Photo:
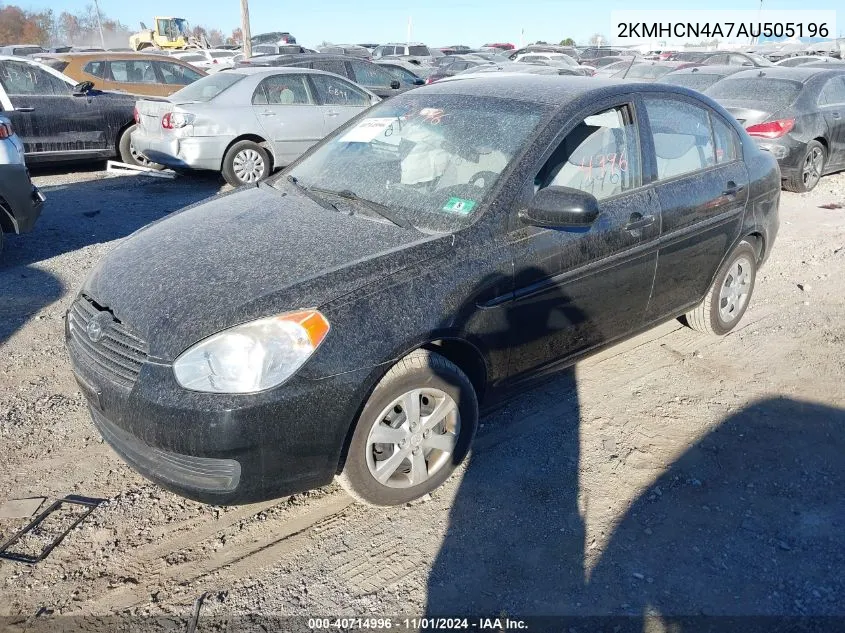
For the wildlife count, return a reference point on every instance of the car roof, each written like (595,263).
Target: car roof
(108,55)
(797,73)
(554,90)
(275,70)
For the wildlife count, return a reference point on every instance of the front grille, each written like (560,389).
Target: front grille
(118,354)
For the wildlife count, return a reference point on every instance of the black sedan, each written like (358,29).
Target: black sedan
(447,244)
(59,120)
(797,114)
(364,73)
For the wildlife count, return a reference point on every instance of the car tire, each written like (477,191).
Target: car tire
(245,163)
(436,385)
(729,295)
(128,154)
(815,155)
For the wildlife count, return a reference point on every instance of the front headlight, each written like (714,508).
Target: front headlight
(252,356)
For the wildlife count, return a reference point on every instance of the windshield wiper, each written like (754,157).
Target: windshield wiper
(379,209)
(308,192)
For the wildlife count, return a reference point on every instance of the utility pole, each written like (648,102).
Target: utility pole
(245,28)
(100,24)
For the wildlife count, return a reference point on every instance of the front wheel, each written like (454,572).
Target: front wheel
(728,296)
(246,163)
(415,429)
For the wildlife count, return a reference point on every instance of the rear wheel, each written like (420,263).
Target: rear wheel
(728,296)
(812,168)
(415,429)
(130,155)
(246,163)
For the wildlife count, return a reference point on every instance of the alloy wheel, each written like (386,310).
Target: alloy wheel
(813,165)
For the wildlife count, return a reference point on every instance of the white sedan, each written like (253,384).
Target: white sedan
(210,60)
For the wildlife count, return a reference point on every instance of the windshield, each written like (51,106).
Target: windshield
(206,88)
(777,93)
(432,159)
(694,81)
(690,57)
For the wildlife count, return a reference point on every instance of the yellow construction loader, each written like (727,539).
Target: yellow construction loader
(167,34)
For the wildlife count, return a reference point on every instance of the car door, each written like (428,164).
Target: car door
(702,187)
(339,100)
(49,118)
(289,115)
(832,106)
(373,78)
(575,289)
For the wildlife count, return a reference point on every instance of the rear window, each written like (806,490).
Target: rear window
(191,58)
(693,81)
(27,50)
(646,72)
(207,88)
(418,50)
(222,54)
(775,92)
(55,64)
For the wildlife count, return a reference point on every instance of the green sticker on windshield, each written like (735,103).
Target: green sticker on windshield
(459,205)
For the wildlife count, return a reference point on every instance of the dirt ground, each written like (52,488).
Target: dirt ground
(673,474)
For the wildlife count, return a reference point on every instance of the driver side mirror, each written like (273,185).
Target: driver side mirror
(395,85)
(83,88)
(561,207)
(419,82)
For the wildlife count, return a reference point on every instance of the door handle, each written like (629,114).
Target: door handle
(268,113)
(332,113)
(638,221)
(25,109)
(733,189)
(835,115)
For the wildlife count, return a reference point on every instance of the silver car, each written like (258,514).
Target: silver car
(245,122)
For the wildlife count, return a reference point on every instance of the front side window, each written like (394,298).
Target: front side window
(282,90)
(419,51)
(331,66)
(20,78)
(335,91)
(683,141)
(133,72)
(434,158)
(600,156)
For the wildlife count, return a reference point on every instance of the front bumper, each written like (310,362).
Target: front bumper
(220,448)
(190,152)
(23,199)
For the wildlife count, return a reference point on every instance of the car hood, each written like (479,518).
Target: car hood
(249,254)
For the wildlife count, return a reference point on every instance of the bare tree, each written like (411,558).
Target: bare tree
(597,39)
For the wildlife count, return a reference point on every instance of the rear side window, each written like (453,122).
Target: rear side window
(725,140)
(833,92)
(133,72)
(334,91)
(20,78)
(599,156)
(418,50)
(331,66)
(282,90)
(95,69)
(174,74)
(683,141)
